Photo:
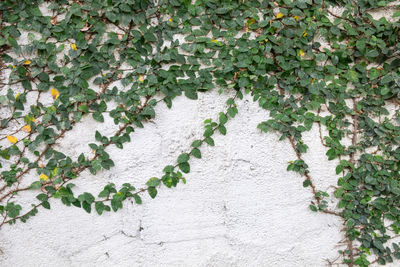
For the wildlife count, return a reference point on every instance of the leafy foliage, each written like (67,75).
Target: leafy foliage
(304,62)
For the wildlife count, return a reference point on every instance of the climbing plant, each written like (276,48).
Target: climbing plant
(310,63)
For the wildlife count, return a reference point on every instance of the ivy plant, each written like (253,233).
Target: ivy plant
(310,63)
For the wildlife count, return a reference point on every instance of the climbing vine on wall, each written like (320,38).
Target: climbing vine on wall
(310,63)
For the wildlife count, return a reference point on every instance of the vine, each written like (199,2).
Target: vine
(310,63)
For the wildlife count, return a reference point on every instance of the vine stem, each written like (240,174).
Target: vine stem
(61,135)
(79,170)
(144,189)
(350,248)
(320,130)
(352,155)
(65,179)
(354,133)
(308,177)
(306,174)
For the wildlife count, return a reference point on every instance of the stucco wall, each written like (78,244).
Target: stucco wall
(240,207)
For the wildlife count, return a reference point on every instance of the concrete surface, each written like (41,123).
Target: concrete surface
(239,207)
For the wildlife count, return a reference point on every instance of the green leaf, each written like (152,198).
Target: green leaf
(386,79)
(14,44)
(339,169)
(313,208)
(137,198)
(98,136)
(184,157)
(396,14)
(350,222)
(378,244)
(222,118)
(150,37)
(87,207)
(191,94)
(98,116)
(84,108)
(36,185)
(116,204)
(372,53)
(360,44)
(243,82)
(208,132)
(152,192)
(149,111)
(99,206)
(196,143)
(373,73)
(196,153)
(13,210)
(385,90)
(153,182)
(209,141)
(42,197)
(353,76)
(221,10)
(27,85)
(185,167)
(232,111)
(46,205)
(222,130)
(169,169)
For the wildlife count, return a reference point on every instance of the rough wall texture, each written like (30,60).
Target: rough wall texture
(240,205)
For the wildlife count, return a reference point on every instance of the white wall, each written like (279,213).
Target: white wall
(239,207)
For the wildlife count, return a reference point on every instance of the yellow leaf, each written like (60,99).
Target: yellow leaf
(73,46)
(279,15)
(29,119)
(301,53)
(141,78)
(54,172)
(27,62)
(170,20)
(26,128)
(250,21)
(43,177)
(17,95)
(312,80)
(12,139)
(214,41)
(296,18)
(304,34)
(54,93)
